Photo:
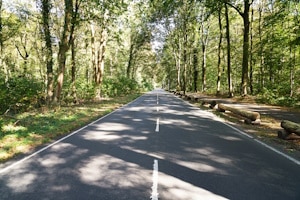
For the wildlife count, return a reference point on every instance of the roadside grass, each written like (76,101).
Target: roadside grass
(24,132)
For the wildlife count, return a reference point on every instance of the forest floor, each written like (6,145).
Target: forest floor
(271,117)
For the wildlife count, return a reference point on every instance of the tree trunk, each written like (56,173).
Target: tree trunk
(185,37)
(49,52)
(129,64)
(100,62)
(204,41)
(245,63)
(261,64)
(195,65)
(230,88)
(24,55)
(73,71)
(178,66)
(219,52)
(203,68)
(63,48)
(93,48)
(251,53)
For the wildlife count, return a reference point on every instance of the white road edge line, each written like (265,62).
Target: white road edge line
(154,195)
(279,152)
(297,162)
(58,141)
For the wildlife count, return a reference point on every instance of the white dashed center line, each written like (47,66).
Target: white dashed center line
(157,125)
(154,195)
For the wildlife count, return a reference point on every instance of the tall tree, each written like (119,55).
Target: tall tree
(63,48)
(219,50)
(246,21)
(70,18)
(230,89)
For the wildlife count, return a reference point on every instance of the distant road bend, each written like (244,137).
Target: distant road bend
(157,147)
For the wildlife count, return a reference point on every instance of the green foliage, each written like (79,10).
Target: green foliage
(20,94)
(119,86)
(147,86)
(275,97)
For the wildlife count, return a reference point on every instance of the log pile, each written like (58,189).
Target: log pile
(193,98)
(250,117)
(291,130)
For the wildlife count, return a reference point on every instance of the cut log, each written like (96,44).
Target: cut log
(189,97)
(291,127)
(212,103)
(283,134)
(249,121)
(253,116)
(192,98)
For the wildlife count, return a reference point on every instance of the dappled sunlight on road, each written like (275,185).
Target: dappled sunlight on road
(52,160)
(174,188)
(22,180)
(110,127)
(201,167)
(109,172)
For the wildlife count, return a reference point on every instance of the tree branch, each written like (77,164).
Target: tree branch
(234,7)
(24,57)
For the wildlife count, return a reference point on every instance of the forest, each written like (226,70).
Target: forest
(55,52)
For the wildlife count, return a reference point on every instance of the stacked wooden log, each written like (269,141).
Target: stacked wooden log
(291,130)
(212,103)
(192,97)
(251,117)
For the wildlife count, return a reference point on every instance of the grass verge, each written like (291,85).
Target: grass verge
(24,132)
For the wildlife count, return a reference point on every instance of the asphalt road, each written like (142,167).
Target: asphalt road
(157,147)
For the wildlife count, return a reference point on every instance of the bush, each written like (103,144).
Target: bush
(20,94)
(119,86)
(275,98)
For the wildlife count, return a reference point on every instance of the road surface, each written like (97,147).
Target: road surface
(157,147)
